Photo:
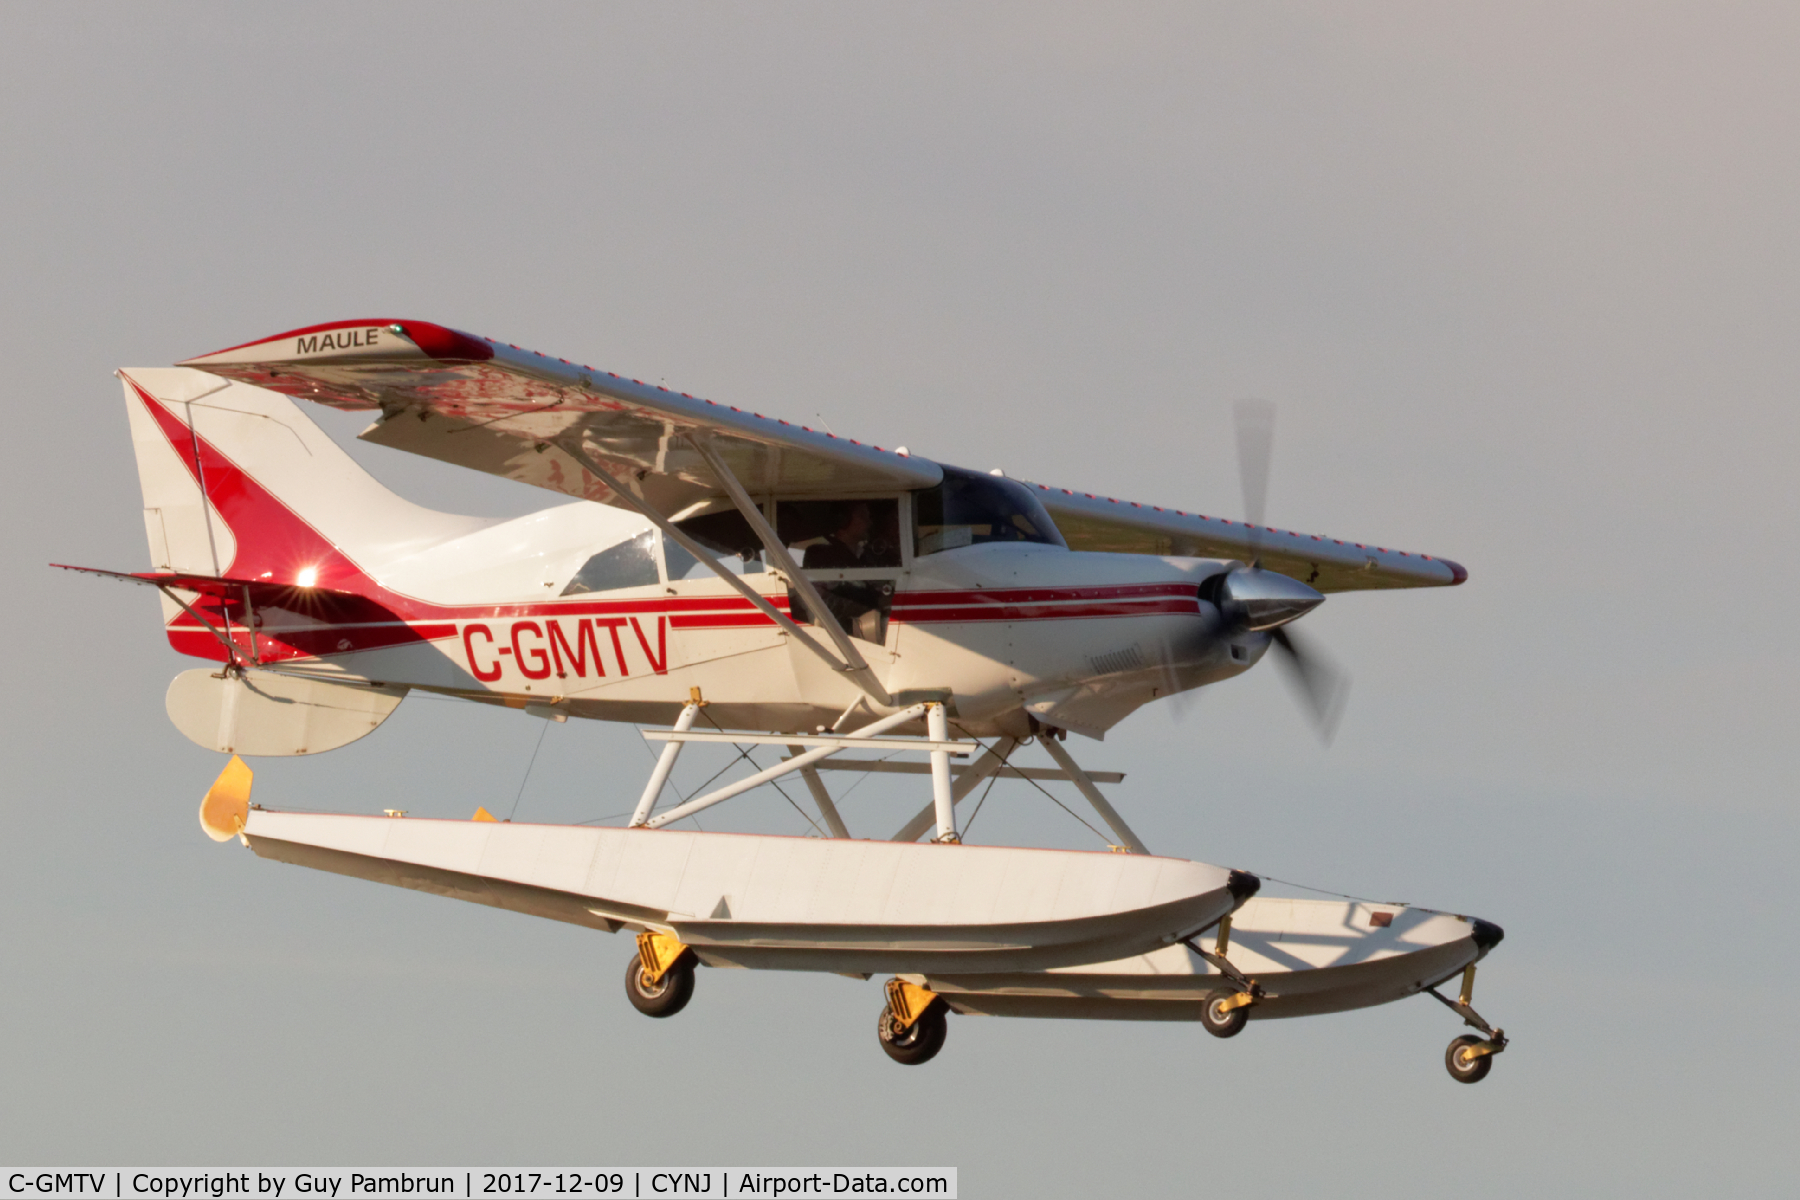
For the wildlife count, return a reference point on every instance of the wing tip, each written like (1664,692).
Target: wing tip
(1458,573)
(334,338)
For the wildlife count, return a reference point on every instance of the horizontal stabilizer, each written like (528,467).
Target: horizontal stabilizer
(258,713)
(261,591)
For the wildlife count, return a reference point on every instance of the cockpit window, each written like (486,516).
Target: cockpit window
(968,509)
(628,564)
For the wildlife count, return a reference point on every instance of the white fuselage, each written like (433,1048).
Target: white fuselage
(1077,640)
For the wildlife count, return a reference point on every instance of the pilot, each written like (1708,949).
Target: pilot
(845,548)
(859,607)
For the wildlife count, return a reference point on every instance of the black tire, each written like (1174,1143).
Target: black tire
(918,1044)
(1472,1070)
(1219,1022)
(668,996)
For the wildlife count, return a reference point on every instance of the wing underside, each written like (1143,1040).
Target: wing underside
(1090,522)
(546,421)
(495,408)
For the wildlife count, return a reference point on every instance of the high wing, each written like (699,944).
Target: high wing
(496,408)
(491,406)
(1090,522)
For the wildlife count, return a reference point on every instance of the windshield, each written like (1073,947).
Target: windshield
(968,509)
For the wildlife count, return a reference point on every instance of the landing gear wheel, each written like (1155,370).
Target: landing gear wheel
(918,1044)
(1464,1069)
(1220,1021)
(664,998)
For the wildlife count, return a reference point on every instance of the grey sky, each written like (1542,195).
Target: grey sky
(1523,279)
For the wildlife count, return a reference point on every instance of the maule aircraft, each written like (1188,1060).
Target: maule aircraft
(730,577)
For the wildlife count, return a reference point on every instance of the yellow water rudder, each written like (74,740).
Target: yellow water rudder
(226,808)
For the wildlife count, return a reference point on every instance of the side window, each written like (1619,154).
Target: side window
(726,534)
(844,535)
(840,535)
(628,564)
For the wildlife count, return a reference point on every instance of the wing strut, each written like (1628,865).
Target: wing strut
(702,554)
(857,668)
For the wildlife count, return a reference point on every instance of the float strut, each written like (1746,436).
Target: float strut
(937,727)
(821,795)
(1085,785)
(666,762)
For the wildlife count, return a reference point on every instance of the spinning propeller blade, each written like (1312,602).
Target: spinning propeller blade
(1255,421)
(1266,600)
(1322,687)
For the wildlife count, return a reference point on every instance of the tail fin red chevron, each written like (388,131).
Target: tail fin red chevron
(242,490)
(239,484)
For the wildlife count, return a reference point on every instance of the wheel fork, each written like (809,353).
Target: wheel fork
(908,1001)
(658,952)
(1496,1038)
(1248,990)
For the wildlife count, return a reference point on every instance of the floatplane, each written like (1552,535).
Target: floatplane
(734,578)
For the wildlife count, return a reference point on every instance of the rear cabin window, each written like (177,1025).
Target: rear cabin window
(628,564)
(726,534)
(969,509)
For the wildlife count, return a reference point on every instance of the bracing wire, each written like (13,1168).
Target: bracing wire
(1005,761)
(803,813)
(1340,895)
(1034,783)
(528,766)
(867,775)
(1040,787)
(970,823)
(744,752)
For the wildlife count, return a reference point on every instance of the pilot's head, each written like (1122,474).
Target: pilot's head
(857,522)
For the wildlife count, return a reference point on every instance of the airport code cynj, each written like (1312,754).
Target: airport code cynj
(463,1183)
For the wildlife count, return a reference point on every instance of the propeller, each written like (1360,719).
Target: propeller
(1323,688)
(1257,599)
(1255,421)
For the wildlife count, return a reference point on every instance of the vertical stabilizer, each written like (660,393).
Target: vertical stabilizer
(185,534)
(239,483)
